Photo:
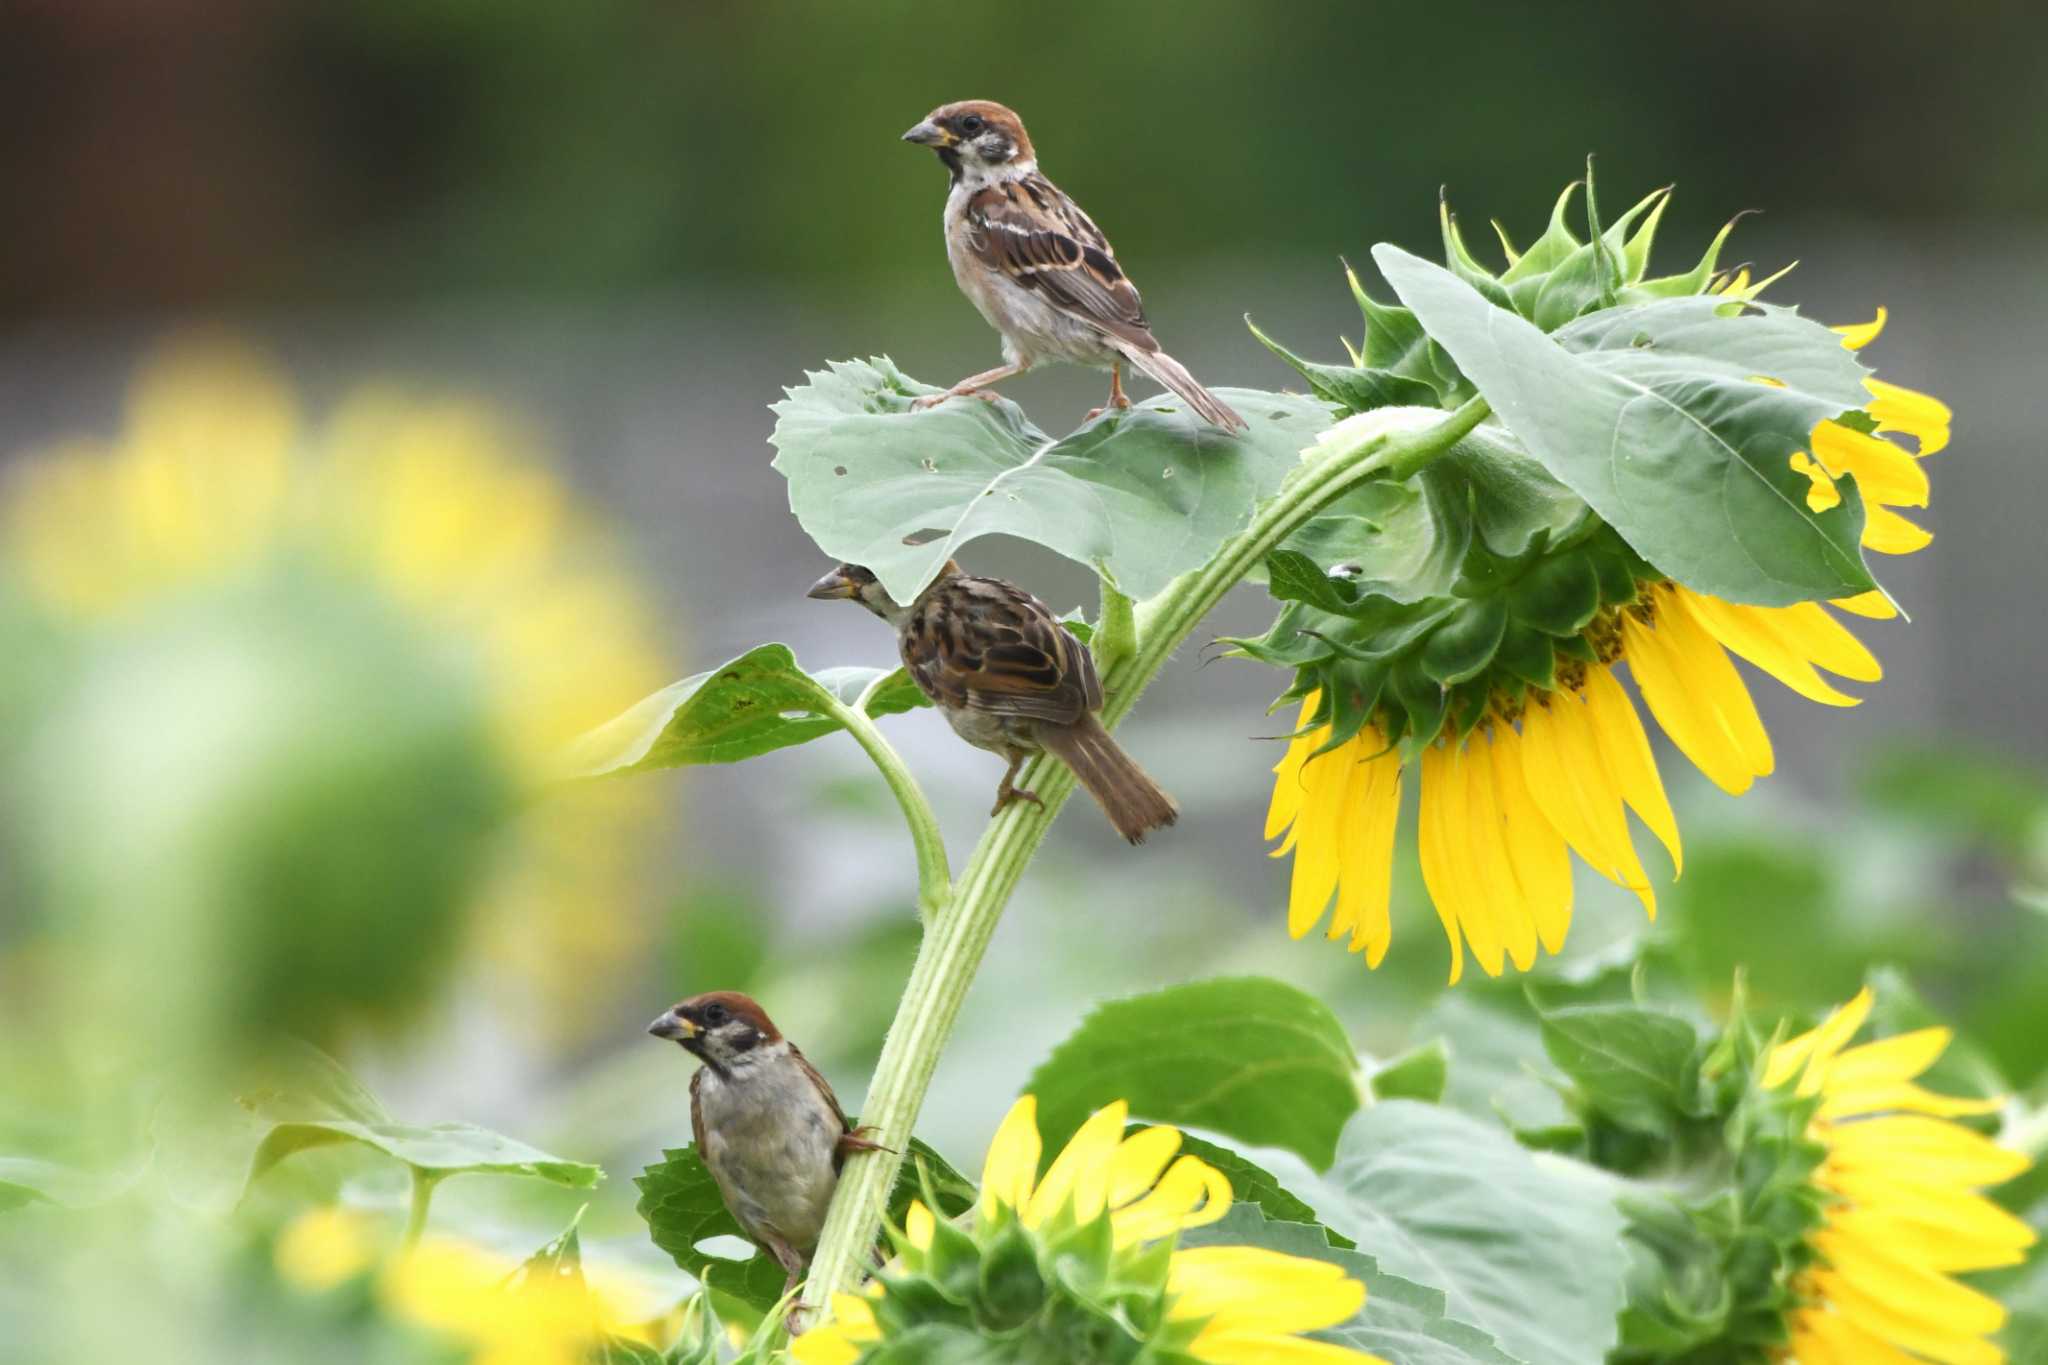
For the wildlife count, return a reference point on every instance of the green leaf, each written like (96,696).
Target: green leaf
(29,1180)
(1147,493)
(1525,1246)
(436,1150)
(1655,417)
(1402,1322)
(683,1208)
(1248,1057)
(751,705)
(1417,1074)
(1635,1067)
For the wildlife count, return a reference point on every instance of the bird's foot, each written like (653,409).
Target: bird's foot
(1009,796)
(932,400)
(1119,404)
(855,1141)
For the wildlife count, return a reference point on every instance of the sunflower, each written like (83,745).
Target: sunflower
(1554,770)
(496,1311)
(430,507)
(1103,1217)
(1903,1213)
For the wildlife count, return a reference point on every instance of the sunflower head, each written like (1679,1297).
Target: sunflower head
(1832,1224)
(1082,1265)
(1469,625)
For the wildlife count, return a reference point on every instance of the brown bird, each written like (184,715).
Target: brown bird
(1037,267)
(768,1127)
(1009,678)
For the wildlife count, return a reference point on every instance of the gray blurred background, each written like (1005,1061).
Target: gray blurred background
(636,223)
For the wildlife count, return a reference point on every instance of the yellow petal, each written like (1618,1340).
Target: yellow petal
(1901,1057)
(1079,1175)
(1910,413)
(1924,1294)
(1543,868)
(1693,691)
(1794,1053)
(1366,883)
(1138,1161)
(1190,1194)
(1599,801)
(1922,1148)
(1317,859)
(1897,1097)
(1757,636)
(1011,1167)
(1287,789)
(1888,533)
(1965,1232)
(1857,335)
(1625,752)
(1873,604)
(1885,473)
(1493,857)
(1252,1289)
(1432,852)
(1821,1337)
(1547,759)
(919,1225)
(1218,1347)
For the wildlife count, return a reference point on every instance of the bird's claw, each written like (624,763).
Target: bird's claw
(1005,799)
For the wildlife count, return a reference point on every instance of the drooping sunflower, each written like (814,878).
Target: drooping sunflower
(1087,1256)
(1903,1212)
(434,512)
(1553,766)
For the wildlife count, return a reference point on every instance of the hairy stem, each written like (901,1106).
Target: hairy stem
(934,875)
(959,934)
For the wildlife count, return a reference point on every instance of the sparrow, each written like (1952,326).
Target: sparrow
(1037,267)
(767,1126)
(1009,678)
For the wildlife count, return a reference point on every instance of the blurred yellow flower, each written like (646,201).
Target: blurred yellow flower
(502,1314)
(1230,1305)
(1553,772)
(326,1246)
(431,505)
(1904,1213)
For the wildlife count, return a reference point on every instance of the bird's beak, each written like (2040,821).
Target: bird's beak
(673,1025)
(929,134)
(834,587)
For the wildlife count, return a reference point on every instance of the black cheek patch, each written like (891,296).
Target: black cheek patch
(745,1040)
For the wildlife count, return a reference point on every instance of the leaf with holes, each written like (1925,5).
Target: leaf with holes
(1145,494)
(1248,1057)
(1657,416)
(759,702)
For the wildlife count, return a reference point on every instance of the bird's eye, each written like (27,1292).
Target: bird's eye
(973,124)
(714,1015)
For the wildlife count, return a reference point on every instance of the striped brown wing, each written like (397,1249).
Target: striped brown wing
(1040,239)
(984,645)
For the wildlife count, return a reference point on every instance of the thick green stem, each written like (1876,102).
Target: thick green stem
(934,875)
(423,1183)
(958,936)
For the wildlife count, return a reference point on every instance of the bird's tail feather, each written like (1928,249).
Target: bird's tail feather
(1174,375)
(1132,801)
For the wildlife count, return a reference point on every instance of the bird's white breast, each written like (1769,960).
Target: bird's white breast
(769,1140)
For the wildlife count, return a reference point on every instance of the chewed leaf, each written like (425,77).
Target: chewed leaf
(1661,418)
(1148,493)
(761,701)
(440,1149)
